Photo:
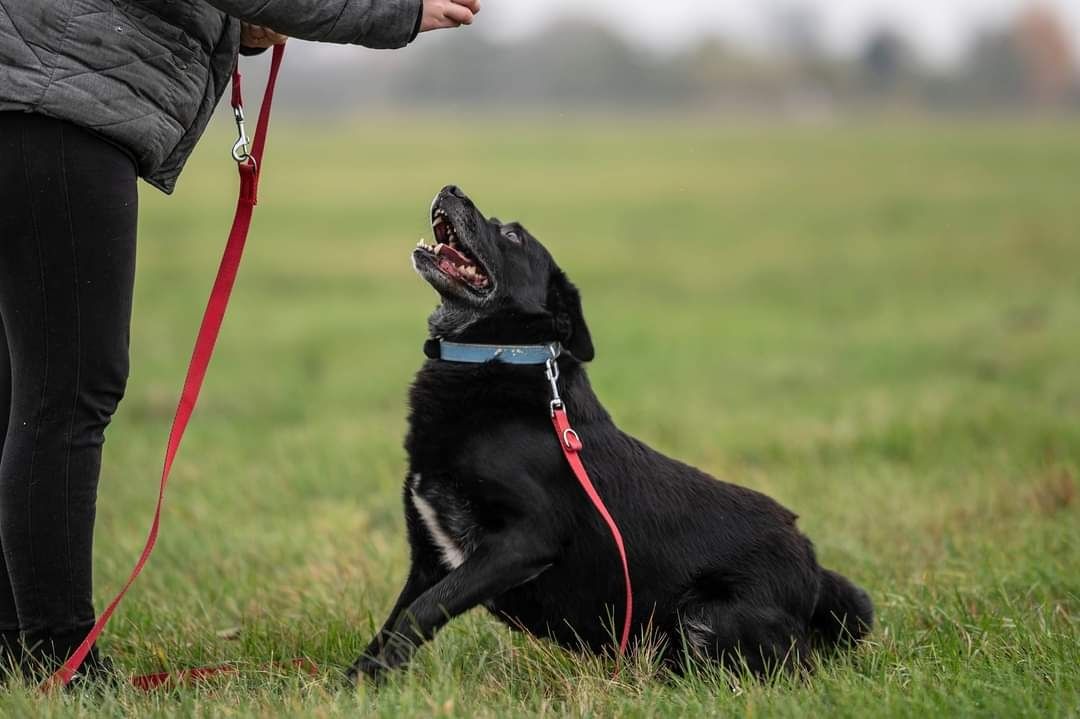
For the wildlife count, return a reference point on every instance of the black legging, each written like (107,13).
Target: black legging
(68,209)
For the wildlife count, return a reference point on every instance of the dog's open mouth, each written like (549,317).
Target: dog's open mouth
(452,257)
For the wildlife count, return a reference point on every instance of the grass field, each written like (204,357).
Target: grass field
(879,326)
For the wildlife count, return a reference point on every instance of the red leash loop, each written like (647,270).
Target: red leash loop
(571,446)
(249,166)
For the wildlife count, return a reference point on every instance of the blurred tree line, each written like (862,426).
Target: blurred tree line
(1027,66)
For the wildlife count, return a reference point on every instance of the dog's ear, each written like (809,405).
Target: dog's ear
(564,303)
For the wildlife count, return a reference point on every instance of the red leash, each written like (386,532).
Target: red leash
(249,164)
(571,446)
(149,682)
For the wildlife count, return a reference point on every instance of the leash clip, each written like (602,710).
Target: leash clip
(551,370)
(241,149)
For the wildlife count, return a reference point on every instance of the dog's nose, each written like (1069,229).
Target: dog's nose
(456,192)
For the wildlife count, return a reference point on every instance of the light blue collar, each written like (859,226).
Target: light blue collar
(479,354)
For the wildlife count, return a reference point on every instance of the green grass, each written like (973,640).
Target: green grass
(877,325)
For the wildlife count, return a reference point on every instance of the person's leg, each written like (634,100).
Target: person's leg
(68,209)
(9,616)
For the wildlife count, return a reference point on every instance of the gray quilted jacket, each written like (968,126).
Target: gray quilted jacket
(147,74)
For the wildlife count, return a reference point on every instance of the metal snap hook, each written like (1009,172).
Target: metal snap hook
(551,369)
(241,149)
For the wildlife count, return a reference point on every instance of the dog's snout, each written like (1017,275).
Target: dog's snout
(450,195)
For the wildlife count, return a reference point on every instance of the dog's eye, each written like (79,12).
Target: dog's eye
(513,236)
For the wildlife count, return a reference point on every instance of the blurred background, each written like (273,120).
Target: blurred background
(792,58)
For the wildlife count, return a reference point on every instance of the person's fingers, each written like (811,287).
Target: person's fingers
(473,5)
(437,23)
(459,14)
(260,37)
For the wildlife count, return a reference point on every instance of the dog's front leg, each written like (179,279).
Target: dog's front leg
(499,564)
(420,579)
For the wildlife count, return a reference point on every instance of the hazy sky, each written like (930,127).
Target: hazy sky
(939,28)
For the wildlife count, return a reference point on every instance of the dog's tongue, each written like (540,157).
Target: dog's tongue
(446,252)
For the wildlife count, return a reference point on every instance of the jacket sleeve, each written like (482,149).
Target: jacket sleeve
(372,23)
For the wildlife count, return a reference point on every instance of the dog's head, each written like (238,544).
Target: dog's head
(496,281)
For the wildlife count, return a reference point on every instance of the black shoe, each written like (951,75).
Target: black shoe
(42,656)
(97,671)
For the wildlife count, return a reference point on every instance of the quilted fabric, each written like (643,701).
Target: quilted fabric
(147,74)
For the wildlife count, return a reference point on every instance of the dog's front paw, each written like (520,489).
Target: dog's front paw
(366,667)
(395,653)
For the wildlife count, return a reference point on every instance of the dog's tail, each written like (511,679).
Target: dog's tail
(844,612)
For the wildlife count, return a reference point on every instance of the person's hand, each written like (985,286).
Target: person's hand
(448,13)
(256,36)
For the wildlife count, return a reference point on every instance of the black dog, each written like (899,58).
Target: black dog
(496,518)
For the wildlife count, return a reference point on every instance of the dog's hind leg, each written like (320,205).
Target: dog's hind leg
(500,563)
(740,636)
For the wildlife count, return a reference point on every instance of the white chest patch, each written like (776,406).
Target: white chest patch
(452,553)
